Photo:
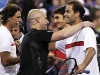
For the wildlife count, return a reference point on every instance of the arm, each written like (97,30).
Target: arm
(52,46)
(90,48)
(87,60)
(7,60)
(8,50)
(52,60)
(89,56)
(69,31)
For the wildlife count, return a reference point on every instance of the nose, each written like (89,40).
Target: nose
(20,20)
(65,14)
(47,22)
(55,20)
(12,32)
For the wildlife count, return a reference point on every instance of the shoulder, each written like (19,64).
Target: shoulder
(87,31)
(39,31)
(4,31)
(42,33)
(87,28)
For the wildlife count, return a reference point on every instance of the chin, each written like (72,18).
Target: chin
(59,28)
(44,28)
(67,23)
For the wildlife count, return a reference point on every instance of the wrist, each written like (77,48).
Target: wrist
(84,64)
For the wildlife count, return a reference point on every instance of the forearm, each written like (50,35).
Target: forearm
(69,31)
(11,61)
(66,32)
(89,56)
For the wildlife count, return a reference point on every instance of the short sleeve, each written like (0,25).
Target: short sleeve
(43,36)
(89,38)
(5,44)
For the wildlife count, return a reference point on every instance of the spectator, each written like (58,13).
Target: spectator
(17,36)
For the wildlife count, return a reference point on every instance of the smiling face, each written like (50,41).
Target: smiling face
(59,20)
(43,21)
(15,20)
(11,16)
(70,16)
(74,12)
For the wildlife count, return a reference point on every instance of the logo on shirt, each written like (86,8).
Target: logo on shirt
(39,62)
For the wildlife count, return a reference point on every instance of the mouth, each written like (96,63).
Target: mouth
(19,23)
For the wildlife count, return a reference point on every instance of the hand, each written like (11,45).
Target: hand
(80,69)
(87,24)
(18,44)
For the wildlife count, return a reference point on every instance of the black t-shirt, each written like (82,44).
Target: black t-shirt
(34,51)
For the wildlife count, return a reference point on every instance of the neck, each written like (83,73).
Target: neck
(67,25)
(35,26)
(8,26)
(77,21)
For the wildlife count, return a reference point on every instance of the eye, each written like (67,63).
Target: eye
(19,17)
(15,30)
(56,17)
(67,11)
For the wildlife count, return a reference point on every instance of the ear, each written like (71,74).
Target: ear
(77,14)
(38,20)
(9,19)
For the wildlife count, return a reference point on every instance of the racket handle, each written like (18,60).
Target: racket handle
(49,69)
(87,71)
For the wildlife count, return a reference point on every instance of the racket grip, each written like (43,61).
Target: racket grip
(87,71)
(49,69)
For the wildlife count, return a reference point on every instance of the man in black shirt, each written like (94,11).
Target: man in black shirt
(34,51)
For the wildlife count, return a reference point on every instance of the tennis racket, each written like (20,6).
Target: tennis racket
(67,67)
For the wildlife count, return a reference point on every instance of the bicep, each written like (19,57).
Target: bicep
(90,51)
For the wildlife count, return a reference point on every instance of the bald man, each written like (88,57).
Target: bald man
(34,51)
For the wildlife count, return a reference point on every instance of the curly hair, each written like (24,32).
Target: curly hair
(9,11)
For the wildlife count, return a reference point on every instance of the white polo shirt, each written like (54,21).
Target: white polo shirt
(76,46)
(7,44)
